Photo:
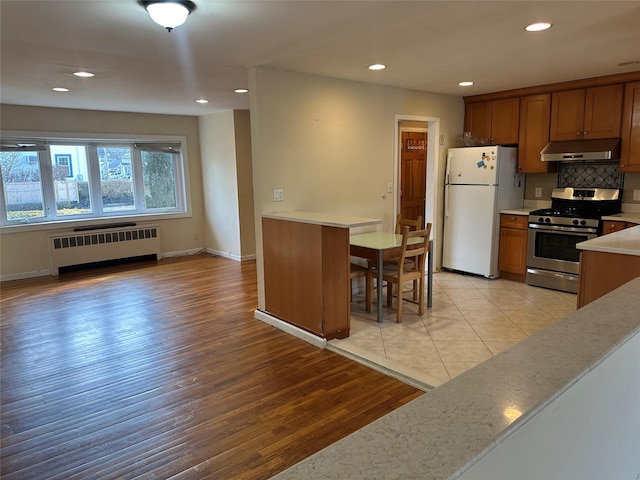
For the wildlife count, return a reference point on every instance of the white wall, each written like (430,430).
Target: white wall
(220,186)
(329,144)
(227,184)
(244,162)
(594,427)
(24,254)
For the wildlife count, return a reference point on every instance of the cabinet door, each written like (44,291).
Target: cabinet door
(504,121)
(610,226)
(535,117)
(567,114)
(630,142)
(477,119)
(603,111)
(513,251)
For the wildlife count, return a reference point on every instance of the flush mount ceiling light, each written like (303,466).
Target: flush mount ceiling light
(84,74)
(241,90)
(168,13)
(377,66)
(538,27)
(202,100)
(60,89)
(465,84)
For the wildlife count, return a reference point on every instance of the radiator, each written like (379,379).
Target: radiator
(107,243)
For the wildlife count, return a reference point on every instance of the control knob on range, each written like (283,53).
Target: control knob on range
(583,222)
(541,219)
(547,220)
(575,222)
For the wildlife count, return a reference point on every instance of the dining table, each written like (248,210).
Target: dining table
(380,246)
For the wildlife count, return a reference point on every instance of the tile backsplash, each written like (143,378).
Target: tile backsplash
(590,175)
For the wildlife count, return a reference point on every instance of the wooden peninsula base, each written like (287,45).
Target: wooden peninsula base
(607,262)
(306,270)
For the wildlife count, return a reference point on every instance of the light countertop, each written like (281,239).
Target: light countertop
(326,219)
(632,217)
(446,431)
(517,211)
(626,242)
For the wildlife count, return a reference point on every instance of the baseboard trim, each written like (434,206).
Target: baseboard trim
(290,329)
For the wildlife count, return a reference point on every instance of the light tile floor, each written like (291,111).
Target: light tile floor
(472,318)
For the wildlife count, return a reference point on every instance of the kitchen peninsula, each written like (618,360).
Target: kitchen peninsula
(306,272)
(607,262)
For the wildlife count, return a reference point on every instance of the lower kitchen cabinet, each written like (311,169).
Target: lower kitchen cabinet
(512,259)
(610,226)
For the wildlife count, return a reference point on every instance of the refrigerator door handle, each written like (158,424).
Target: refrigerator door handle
(446,201)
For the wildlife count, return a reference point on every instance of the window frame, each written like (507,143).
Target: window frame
(92,142)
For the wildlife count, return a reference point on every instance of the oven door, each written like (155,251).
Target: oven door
(552,247)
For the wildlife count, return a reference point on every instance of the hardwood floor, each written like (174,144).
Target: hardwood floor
(159,370)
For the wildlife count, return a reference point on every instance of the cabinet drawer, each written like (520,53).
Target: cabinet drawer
(514,221)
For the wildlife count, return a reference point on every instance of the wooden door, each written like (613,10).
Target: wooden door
(567,115)
(535,116)
(477,120)
(603,111)
(630,143)
(413,174)
(504,121)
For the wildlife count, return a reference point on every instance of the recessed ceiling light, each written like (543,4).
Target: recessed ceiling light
(465,84)
(377,66)
(84,74)
(202,100)
(60,89)
(537,27)
(241,90)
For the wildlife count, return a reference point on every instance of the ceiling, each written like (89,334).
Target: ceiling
(426,45)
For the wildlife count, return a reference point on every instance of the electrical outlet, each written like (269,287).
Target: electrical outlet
(538,192)
(278,195)
(389,187)
(636,195)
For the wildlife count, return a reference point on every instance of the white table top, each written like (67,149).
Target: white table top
(327,219)
(625,242)
(380,240)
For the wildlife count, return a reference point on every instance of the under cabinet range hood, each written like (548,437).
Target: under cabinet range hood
(581,150)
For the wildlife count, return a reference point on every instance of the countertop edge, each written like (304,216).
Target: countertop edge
(623,242)
(325,219)
(447,430)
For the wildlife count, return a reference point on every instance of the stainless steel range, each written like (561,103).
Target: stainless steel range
(553,261)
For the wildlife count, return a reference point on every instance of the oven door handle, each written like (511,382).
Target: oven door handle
(562,228)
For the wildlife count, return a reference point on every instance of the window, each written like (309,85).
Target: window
(53,179)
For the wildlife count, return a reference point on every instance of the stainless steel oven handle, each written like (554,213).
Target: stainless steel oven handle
(562,228)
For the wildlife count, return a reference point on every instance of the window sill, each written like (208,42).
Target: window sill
(70,224)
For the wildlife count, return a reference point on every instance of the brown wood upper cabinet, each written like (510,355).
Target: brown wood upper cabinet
(630,143)
(496,121)
(587,113)
(535,117)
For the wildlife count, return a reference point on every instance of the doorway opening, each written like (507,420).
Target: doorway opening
(414,129)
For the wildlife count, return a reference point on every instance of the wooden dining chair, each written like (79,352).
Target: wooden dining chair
(359,271)
(413,224)
(410,267)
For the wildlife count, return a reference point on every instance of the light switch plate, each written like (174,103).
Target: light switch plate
(278,195)
(636,195)
(538,192)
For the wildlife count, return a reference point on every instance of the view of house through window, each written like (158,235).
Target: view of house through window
(50,180)
(22,185)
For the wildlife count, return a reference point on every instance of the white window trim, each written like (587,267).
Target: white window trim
(181,176)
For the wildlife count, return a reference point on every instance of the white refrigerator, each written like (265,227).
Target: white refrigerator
(479,182)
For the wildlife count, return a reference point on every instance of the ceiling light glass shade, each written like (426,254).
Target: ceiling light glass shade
(538,27)
(169,13)
(377,66)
